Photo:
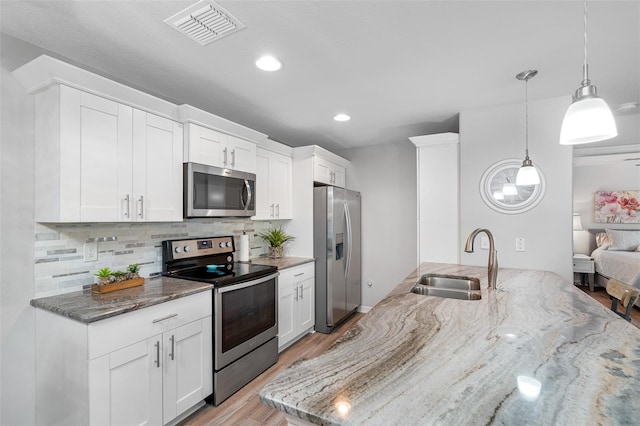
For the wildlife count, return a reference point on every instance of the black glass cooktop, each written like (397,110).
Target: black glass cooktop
(219,276)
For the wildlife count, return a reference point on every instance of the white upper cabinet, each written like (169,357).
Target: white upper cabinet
(274,188)
(213,148)
(101,161)
(325,171)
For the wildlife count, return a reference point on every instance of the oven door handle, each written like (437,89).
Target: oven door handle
(246,284)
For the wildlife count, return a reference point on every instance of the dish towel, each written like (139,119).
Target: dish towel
(621,291)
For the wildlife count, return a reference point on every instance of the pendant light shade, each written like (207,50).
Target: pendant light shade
(527,174)
(588,118)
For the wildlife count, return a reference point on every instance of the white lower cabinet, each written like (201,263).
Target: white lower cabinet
(111,376)
(296,304)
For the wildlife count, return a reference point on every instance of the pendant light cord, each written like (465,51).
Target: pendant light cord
(585,66)
(526,118)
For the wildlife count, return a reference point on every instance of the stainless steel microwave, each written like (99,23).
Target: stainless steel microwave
(216,192)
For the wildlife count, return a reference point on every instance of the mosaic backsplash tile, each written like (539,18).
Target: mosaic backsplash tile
(59,248)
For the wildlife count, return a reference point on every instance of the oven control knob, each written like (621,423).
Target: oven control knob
(221,245)
(186,249)
(178,249)
(229,259)
(228,243)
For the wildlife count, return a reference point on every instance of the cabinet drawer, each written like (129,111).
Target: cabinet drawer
(298,273)
(586,266)
(117,332)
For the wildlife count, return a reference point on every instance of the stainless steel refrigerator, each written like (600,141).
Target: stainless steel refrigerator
(336,248)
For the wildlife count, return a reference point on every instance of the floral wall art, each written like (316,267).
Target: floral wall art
(617,207)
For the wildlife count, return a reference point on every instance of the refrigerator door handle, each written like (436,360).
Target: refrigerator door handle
(347,216)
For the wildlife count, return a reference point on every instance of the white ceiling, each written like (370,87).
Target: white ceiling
(399,68)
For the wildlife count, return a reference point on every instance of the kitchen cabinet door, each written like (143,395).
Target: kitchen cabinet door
(296,304)
(274,186)
(286,312)
(241,155)
(213,148)
(188,363)
(157,168)
(324,171)
(306,305)
(126,385)
(83,147)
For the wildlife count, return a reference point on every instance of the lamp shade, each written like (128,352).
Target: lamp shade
(577,222)
(527,175)
(587,120)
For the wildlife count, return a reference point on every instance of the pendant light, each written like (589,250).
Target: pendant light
(588,118)
(527,174)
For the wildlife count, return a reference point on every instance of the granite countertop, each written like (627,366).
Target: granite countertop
(87,307)
(282,262)
(426,360)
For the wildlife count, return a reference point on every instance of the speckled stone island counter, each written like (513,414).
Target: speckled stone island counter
(421,360)
(87,307)
(282,262)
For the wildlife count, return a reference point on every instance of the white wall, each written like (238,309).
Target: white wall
(17,317)
(603,177)
(385,175)
(492,134)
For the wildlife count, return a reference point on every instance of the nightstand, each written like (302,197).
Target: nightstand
(585,266)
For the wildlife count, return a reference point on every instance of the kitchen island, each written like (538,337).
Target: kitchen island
(534,351)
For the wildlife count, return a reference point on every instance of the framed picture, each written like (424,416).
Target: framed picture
(617,206)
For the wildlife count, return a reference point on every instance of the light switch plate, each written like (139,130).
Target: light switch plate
(520,244)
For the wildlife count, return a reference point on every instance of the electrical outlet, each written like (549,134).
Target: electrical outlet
(91,252)
(520,244)
(484,242)
(370,282)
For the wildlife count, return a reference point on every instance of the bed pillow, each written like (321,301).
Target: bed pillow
(623,240)
(602,239)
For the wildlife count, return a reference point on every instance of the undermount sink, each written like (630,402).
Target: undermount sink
(449,286)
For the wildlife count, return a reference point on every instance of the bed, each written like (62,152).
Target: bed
(617,255)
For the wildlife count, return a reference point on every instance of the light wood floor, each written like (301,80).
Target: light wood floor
(244,407)
(600,294)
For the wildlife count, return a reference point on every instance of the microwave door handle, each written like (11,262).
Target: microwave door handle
(248,188)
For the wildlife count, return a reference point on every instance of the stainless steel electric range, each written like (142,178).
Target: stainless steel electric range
(245,308)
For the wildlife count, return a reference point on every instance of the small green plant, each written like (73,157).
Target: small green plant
(133,268)
(103,273)
(276,238)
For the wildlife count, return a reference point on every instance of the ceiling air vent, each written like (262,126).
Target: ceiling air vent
(205,22)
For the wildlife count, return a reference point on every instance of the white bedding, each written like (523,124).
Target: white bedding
(621,265)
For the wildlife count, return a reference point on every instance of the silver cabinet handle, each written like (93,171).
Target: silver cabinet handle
(127,201)
(301,292)
(164,318)
(141,212)
(225,156)
(271,208)
(278,210)
(157,345)
(300,274)
(296,298)
(233,158)
(173,347)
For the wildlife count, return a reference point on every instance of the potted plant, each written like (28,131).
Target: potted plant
(133,271)
(104,276)
(276,238)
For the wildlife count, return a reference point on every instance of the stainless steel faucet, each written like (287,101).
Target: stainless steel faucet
(493,254)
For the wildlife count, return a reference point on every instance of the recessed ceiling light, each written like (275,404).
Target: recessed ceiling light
(342,117)
(269,63)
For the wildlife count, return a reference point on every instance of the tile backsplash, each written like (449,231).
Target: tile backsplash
(59,248)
